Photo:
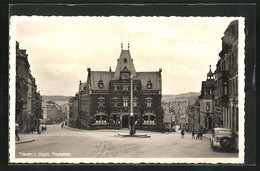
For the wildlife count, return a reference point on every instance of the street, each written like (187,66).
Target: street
(66,142)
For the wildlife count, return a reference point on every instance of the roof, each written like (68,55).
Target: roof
(124,61)
(154,77)
(97,76)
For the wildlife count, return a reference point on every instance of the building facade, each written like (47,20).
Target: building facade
(104,100)
(28,107)
(226,80)
(219,93)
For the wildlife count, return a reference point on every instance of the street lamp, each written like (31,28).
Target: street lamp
(131,117)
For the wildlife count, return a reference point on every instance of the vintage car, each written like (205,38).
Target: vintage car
(223,138)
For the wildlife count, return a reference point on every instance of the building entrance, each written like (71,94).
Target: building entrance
(125,121)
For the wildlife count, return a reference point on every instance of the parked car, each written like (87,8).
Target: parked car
(223,138)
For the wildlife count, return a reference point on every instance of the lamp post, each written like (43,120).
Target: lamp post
(131,117)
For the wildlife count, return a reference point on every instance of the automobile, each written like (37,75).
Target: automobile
(223,138)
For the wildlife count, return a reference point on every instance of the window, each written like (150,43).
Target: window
(236,86)
(149,102)
(115,101)
(149,119)
(101,102)
(207,106)
(101,119)
(207,92)
(135,87)
(149,84)
(125,87)
(114,87)
(125,101)
(116,119)
(100,84)
(225,88)
(125,60)
(135,103)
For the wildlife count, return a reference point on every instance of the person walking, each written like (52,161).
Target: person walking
(16,132)
(62,125)
(182,133)
(193,133)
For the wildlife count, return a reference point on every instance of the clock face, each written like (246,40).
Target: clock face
(125,76)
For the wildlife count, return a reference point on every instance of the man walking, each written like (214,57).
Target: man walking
(193,133)
(182,133)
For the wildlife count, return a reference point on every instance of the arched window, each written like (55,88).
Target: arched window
(125,60)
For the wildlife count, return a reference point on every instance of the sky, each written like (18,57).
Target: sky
(60,49)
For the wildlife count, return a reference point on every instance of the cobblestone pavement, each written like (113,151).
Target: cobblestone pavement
(57,142)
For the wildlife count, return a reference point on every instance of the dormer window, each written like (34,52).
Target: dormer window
(149,84)
(100,84)
(125,60)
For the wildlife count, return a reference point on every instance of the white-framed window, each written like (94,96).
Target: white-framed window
(125,102)
(148,102)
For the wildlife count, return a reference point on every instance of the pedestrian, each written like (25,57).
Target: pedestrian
(193,133)
(62,125)
(182,133)
(16,132)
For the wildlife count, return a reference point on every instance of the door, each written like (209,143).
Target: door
(125,121)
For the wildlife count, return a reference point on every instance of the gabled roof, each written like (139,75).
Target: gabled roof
(124,61)
(97,76)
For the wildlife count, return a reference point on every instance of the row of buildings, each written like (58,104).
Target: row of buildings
(103,101)
(217,105)
(54,113)
(28,99)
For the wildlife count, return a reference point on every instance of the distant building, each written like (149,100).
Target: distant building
(51,112)
(207,102)
(104,101)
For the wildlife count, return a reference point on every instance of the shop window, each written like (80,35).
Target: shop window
(101,119)
(149,119)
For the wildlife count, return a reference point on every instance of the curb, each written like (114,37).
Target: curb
(25,141)
(74,129)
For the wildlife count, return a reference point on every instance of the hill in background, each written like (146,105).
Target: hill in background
(58,99)
(189,95)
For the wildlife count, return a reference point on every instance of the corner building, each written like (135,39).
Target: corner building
(107,97)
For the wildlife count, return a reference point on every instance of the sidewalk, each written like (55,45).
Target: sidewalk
(25,138)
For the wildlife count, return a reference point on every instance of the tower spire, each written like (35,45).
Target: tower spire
(121,43)
(128,43)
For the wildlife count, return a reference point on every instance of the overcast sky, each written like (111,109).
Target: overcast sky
(60,49)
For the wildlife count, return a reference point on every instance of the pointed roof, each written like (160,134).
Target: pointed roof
(124,63)
(210,74)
